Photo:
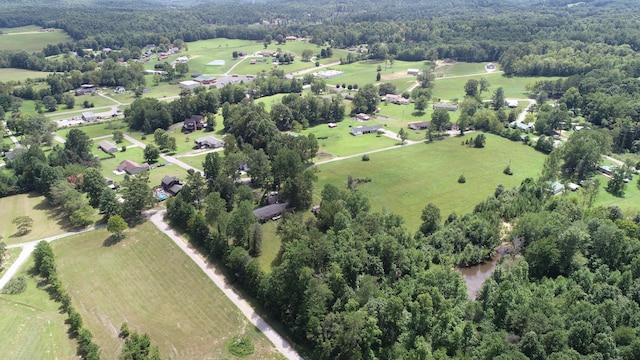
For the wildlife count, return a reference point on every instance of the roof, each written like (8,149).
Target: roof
(189,83)
(445,106)
(88,114)
(193,118)
(108,146)
(365,129)
(176,188)
(204,78)
(131,167)
(168,180)
(210,140)
(419,124)
(269,211)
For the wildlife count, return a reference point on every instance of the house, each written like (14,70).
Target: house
(362,117)
(89,116)
(252,62)
(361,130)
(182,59)
(332,125)
(413,72)
(132,167)
(419,125)
(445,107)
(205,79)
(189,84)
(348,96)
(606,169)
(396,99)
(555,187)
(108,147)
(195,75)
(290,38)
(106,50)
(195,122)
(85,89)
(120,90)
(209,141)
(512,103)
(171,185)
(270,212)
(573,186)
(528,127)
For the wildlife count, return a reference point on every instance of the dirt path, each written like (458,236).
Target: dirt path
(216,276)
(301,72)
(234,65)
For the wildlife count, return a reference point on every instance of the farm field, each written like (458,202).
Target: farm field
(514,87)
(404,180)
(364,72)
(30,38)
(46,219)
(21,75)
(339,142)
(32,326)
(148,282)
(29,106)
(459,69)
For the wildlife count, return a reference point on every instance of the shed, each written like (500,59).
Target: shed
(89,116)
(361,130)
(445,107)
(413,71)
(189,84)
(108,147)
(363,117)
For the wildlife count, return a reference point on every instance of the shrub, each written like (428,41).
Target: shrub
(507,170)
(124,331)
(15,286)
(462,179)
(124,148)
(240,345)
(144,137)
(365,157)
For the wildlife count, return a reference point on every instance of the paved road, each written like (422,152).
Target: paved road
(28,247)
(13,138)
(216,276)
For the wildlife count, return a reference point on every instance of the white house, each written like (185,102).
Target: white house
(189,84)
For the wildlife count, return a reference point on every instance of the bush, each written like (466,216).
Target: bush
(240,345)
(365,157)
(507,170)
(124,148)
(462,179)
(144,137)
(15,286)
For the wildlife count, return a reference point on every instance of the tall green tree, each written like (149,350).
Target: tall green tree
(137,195)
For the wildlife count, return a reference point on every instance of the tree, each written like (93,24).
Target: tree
(402,134)
(194,190)
(214,205)
(298,190)
(151,153)
(182,68)
(109,204)
(82,216)
(484,85)
(211,122)
(240,224)
(234,54)
(318,85)
(378,77)
(50,103)
(137,195)
(69,101)
(421,103)
(582,152)
(24,223)
(471,88)
(211,166)
(77,148)
(365,100)
(138,347)
(118,136)
(430,219)
(386,88)
(307,54)
(93,183)
(441,120)
(116,225)
(498,99)
(255,246)
(617,183)
(479,141)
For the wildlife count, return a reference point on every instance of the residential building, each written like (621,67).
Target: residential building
(171,185)
(195,122)
(270,212)
(131,167)
(447,107)
(208,141)
(108,147)
(361,130)
(419,125)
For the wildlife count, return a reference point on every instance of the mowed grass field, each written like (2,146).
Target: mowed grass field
(21,75)
(629,203)
(32,325)
(30,38)
(46,220)
(404,180)
(147,281)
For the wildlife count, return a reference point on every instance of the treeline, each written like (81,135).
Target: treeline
(44,263)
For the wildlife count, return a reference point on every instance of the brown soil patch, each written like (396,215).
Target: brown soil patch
(441,63)
(395,75)
(323,155)
(194,57)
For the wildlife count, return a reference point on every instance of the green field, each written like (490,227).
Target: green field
(270,245)
(96,130)
(47,221)
(404,180)
(32,325)
(30,38)
(147,281)
(514,87)
(29,106)
(339,142)
(21,75)
(629,203)
(364,72)
(459,69)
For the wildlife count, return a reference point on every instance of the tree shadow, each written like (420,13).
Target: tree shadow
(418,113)
(112,240)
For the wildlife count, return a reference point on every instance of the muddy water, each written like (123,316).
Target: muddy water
(474,276)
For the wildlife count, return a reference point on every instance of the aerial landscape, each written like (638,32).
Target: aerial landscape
(331,179)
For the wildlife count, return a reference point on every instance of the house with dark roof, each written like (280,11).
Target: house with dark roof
(419,125)
(108,147)
(131,167)
(447,107)
(271,212)
(361,130)
(85,89)
(171,184)
(195,122)
(362,117)
(208,142)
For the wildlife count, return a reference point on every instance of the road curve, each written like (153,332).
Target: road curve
(216,276)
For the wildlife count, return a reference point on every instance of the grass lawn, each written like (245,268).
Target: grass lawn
(629,203)
(46,220)
(270,245)
(339,142)
(109,164)
(11,74)
(514,87)
(404,180)
(29,106)
(459,69)
(30,38)
(364,72)
(196,161)
(97,130)
(32,326)
(156,175)
(162,90)
(148,282)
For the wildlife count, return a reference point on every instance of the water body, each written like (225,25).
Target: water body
(474,276)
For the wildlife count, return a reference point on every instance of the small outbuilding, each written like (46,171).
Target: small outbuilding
(362,117)
(270,212)
(89,116)
(361,130)
(108,147)
(189,84)
(445,107)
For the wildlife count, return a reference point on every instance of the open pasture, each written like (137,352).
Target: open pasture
(30,38)
(404,180)
(20,75)
(147,281)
